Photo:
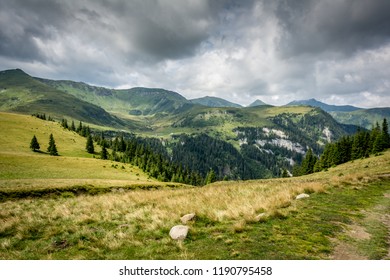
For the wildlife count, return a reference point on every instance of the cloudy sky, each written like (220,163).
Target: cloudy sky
(337,51)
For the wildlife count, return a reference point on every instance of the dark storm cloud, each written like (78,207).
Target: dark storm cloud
(22,22)
(346,26)
(155,29)
(240,50)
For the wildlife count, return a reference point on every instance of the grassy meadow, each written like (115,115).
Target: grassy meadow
(24,170)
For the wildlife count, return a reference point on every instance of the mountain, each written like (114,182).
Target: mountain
(211,101)
(21,93)
(326,107)
(236,143)
(136,101)
(365,118)
(257,102)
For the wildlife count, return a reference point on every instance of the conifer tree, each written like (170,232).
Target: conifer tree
(211,177)
(34,145)
(89,146)
(73,127)
(308,163)
(52,149)
(104,153)
(385,134)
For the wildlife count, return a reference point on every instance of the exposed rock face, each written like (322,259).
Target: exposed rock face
(179,232)
(302,195)
(187,218)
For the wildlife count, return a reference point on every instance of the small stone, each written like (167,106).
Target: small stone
(187,218)
(179,232)
(302,195)
(260,217)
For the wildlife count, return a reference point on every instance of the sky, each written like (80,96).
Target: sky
(336,51)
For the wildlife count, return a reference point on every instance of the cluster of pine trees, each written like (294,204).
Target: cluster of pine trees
(360,145)
(51,149)
(43,117)
(148,154)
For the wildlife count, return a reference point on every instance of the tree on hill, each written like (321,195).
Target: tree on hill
(385,134)
(308,163)
(89,146)
(34,145)
(104,153)
(211,177)
(52,149)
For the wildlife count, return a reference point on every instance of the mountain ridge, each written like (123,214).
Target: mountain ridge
(326,107)
(212,101)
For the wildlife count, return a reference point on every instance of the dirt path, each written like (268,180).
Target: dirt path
(347,248)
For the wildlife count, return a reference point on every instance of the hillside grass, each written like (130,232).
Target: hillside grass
(135,224)
(23,169)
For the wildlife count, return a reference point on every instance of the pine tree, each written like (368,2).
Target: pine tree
(211,177)
(79,128)
(308,163)
(89,146)
(52,149)
(284,173)
(34,145)
(73,127)
(104,153)
(385,134)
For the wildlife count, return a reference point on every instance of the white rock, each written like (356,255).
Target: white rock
(187,218)
(260,217)
(179,232)
(302,195)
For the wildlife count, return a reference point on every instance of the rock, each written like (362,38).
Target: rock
(187,218)
(261,217)
(179,232)
(302,195)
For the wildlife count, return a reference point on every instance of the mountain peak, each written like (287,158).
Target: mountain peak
(212,101)
(257,102)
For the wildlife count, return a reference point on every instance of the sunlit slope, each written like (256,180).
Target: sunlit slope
(21,93)
(20,166)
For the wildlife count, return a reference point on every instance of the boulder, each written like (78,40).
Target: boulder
(179,232)
(187,218)
(302,195)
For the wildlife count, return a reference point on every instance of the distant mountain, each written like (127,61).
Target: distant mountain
(257,102)
(365,117)
(21,93)
(326,107)
(135,101)
(211,101)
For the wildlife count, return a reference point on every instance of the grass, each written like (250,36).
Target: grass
(135,224)
(22,169)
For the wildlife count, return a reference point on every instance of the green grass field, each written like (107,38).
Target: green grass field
(22,168)
(53,208)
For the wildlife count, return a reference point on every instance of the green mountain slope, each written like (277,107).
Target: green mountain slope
(364,118)
(211,101)
(21,93)
(20,168)
(135,101)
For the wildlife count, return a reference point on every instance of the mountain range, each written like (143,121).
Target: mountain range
(207,133)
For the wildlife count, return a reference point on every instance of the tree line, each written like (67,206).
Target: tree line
(360,145)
